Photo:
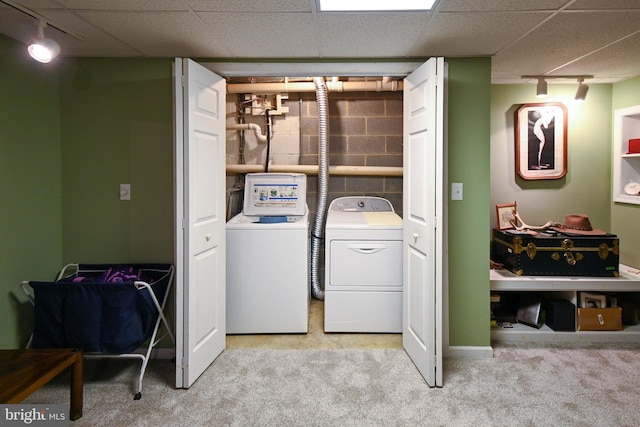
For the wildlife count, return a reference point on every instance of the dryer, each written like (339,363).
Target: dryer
(363,266)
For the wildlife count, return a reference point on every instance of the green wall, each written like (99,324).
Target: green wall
(70,134)
(587,185)
(586,188)
(113,124)
(30,185)
(468,162)
(624,217)
(117,128)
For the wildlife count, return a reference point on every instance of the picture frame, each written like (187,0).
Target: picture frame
(589,300)
(541,141)
(506,218)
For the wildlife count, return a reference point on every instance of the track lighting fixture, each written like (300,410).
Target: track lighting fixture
(43,50)
(581,93)
(541,86)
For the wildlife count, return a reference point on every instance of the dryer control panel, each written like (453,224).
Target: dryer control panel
(361,204)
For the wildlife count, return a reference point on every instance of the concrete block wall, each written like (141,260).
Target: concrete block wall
(365,129)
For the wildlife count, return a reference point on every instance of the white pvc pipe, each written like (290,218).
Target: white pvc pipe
(249,126)
(266,88)
(313,169)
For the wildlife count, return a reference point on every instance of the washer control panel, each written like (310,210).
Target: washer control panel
(361,204)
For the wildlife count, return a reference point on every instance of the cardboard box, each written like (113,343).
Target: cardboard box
(600,319)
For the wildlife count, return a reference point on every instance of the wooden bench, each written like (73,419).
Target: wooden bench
(24,371)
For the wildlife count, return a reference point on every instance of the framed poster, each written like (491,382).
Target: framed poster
(541,141)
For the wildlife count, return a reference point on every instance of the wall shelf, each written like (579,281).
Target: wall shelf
(626,167)
(565,287)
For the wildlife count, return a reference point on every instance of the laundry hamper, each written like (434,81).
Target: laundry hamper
(107,310)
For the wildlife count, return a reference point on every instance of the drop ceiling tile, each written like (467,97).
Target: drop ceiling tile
(369,35)
(37,4)
(95,42)
(17,26)
(466,34)
(116,5)
(250,6)
(546,49)
(109,34)
(158,34)
(254,35)
(619,61)
(293,29)
(608,4)
(498,5)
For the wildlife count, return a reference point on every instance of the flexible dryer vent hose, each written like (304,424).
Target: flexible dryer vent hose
(317,231)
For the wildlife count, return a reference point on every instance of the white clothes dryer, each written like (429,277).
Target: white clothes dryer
(363,266)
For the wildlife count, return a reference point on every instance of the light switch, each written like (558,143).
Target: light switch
(456,191)
(125,191)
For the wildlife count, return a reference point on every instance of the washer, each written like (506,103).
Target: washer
(363,266)
(267,258)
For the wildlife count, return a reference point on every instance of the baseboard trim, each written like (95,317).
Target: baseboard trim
(163,353)
(469,352)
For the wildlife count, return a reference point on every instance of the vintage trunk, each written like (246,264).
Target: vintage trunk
(556,255)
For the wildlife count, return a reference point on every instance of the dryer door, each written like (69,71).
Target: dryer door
(365,265)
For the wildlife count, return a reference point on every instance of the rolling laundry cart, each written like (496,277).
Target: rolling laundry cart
(109,311)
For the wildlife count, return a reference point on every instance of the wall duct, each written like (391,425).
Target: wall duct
(317,231)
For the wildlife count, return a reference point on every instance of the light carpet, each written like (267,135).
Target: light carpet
(370,387)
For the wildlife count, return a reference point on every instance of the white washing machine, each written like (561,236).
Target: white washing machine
(363,266)
(267,257)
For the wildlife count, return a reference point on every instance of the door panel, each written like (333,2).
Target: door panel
(200,219)
(423,252)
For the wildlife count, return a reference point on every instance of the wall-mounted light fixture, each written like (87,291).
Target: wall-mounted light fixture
(43,50)
(541,86)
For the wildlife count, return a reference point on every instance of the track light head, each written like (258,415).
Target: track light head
(581,93)
(541,88)
(43,50)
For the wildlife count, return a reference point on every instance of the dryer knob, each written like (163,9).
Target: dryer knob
(361,204)
(415,237)
(207,237)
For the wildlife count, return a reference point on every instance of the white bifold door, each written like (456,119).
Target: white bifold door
(424,201)
(200,169)
(200,97)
